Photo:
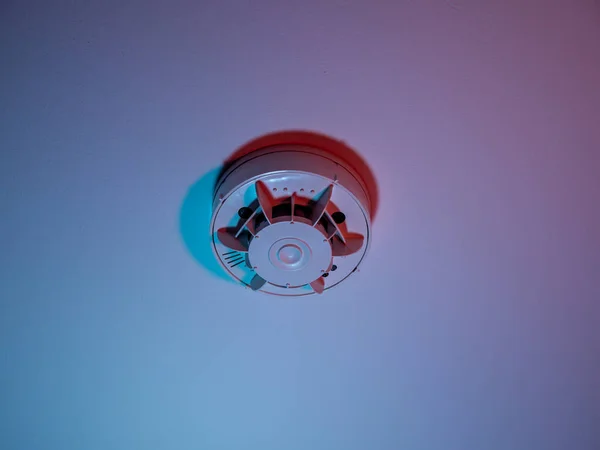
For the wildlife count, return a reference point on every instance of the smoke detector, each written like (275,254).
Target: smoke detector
(290,220)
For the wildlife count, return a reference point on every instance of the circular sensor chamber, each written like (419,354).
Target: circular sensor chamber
(290,220)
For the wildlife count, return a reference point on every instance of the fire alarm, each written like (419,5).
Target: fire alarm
(290,220)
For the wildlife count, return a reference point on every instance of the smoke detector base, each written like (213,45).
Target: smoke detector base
(290,220)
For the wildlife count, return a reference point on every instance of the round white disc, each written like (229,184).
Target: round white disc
(290,254)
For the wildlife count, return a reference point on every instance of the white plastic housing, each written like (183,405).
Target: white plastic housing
(290,255)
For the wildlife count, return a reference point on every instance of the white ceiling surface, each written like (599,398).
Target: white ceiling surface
(474,322)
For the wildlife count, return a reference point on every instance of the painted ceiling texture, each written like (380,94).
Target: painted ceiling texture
(474,321)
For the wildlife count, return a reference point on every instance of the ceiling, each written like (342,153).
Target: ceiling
(474,321)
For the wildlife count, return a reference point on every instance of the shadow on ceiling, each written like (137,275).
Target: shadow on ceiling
(194,223)
(196,210)
(317,140)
